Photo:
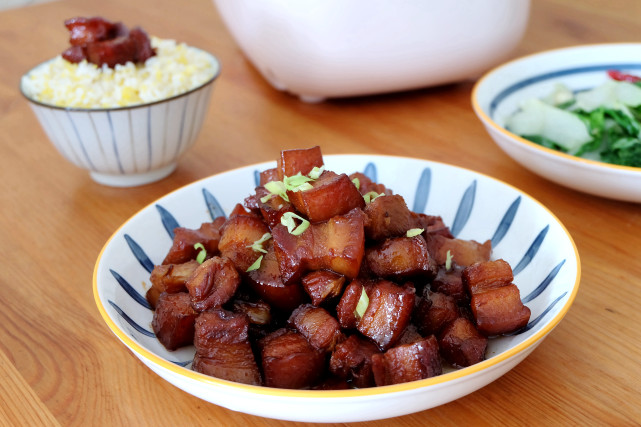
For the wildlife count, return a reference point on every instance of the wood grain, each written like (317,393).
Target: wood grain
(59,363)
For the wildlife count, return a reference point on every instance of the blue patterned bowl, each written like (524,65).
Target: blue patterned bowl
(499,93)
(523,232)
(128,146)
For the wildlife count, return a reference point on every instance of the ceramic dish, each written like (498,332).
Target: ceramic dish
(499,93)
(132,145)
(523,232)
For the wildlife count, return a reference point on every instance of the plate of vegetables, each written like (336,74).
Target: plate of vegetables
(571,115)
(337,288)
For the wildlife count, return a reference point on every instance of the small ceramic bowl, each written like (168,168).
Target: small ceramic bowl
(333,48)
(523,232)
(498,95)
(127,146)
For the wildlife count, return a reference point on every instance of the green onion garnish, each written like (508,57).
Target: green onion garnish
(266,198)
(303,187)
(257,246)
(413,232)
(357,183)
(298,182)
(363,302)
(288,221)
(371,196)
(316,172)
(255,265)
(276,188)
(293,183)
(448,260)
(202,254)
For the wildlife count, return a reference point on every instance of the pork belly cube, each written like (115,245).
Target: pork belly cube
(268,175)
(238,235)
(352,361)
(366,185)
(346,307)
(213,283)
(330,195)
(272,209)
(463,252)
(182,249)
(252,202)
(461,344)
(170,278)
(320,328)
(482,276)
(258,313)
(401,258)
(239,210)
(407,363)
(173,320)
(410,335)
(323,285)
(223,349)
(388,313)
(432,224)
(450,282)
(266,282)
(337,245)
(289,360)
(301,160)
(387,216)
(152,296)
(434,311)
(499,310)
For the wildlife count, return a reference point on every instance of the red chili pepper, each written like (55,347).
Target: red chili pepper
(622,77)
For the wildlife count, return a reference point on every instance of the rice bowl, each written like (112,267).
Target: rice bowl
(129,125)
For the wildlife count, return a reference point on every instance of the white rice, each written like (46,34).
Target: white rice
(175,69)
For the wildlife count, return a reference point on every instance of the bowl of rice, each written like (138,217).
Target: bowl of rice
(128,124)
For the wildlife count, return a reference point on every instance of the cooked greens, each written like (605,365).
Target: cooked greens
(603,123)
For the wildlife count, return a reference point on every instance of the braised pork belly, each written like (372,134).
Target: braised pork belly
(322,280)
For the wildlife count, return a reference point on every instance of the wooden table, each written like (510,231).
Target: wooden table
(60,364)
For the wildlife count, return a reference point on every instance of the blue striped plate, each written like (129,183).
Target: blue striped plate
(522,231)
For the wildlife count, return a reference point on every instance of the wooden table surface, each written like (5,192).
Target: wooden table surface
(60,364)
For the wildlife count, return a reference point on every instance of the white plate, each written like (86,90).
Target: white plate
(524,233)
(499,93)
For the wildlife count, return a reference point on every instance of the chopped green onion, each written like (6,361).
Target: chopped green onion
(202,254)
(257,246)
(303,187)
(371,196)
(316,172)
(298,182)
(266,198)
(277,188)
(293,183)
(288,221)
(413,232)
(357,183)
(255,265)
(448,261)
(361,307)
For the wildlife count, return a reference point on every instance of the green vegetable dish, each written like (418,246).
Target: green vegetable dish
(603,123)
